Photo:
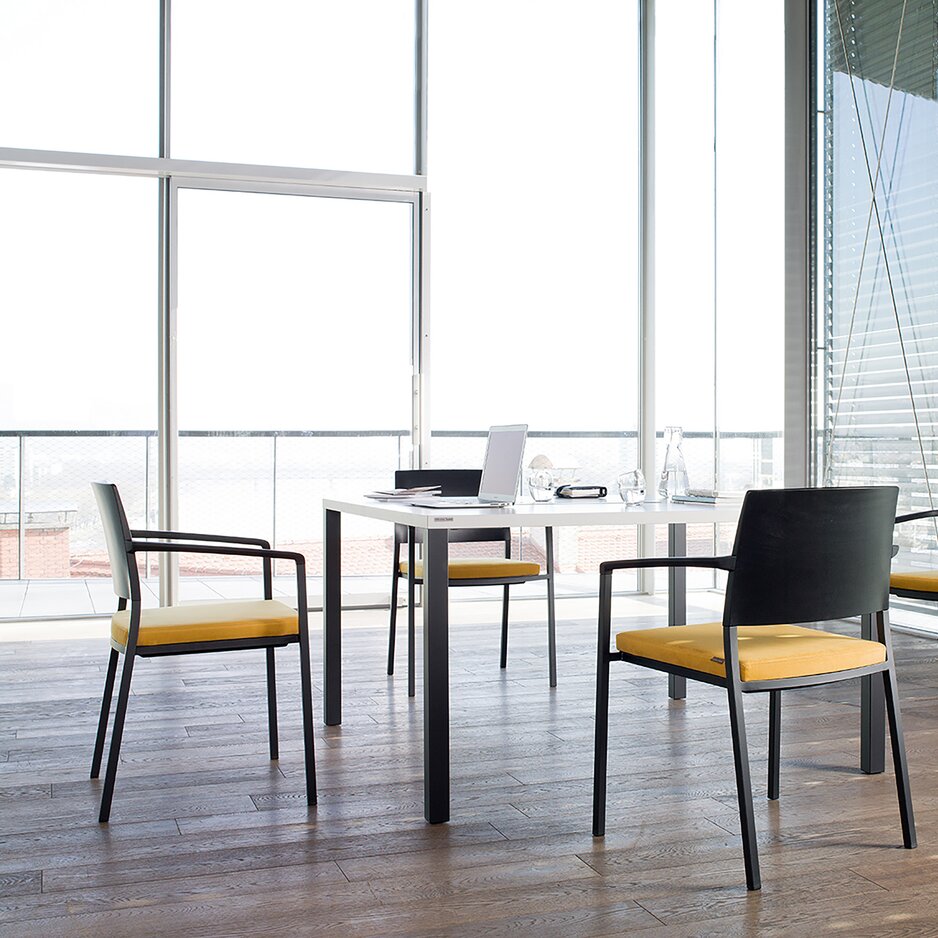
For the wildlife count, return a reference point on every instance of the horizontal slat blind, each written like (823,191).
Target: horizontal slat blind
(880,370)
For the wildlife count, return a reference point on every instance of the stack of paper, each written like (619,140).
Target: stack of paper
(388,495)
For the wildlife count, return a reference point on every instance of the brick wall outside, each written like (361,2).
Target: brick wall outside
(47,553)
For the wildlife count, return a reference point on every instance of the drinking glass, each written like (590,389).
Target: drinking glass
(541,485)
(632,487)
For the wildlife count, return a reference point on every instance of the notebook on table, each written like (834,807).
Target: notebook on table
(501,472)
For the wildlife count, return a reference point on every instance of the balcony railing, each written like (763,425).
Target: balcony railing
(269,482)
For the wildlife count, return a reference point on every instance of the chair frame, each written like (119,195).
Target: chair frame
(461,482)
(930,595)
(126,544)
(735,688)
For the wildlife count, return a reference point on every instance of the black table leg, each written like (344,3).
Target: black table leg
(677,598)
(332,618)
(436,676)
(872,714)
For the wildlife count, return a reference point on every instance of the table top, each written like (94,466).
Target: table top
(556,513)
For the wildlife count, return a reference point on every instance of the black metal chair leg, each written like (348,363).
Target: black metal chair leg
(747,821)
(113,756)
(503,658)
(306,694)
(392,633)
(272,705)
(872,714)
(890,691)
(551,615)
(601,743)
(775,742)
(105,712)
(411,615)
(898,758)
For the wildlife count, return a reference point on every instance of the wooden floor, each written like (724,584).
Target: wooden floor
(209,838)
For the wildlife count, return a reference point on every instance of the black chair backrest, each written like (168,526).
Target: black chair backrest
(457,482)
(806,555)
(116,534)
(452,481)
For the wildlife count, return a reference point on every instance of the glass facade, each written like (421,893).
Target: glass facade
(272,306)
(878,322)
(224,340)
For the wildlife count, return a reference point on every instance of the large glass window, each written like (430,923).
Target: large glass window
(877,399)
(719,124)
(295,311)
(685,366)
(533,174)
(749,231)
(295,366)
(78,383)
(294,362)
(719,291)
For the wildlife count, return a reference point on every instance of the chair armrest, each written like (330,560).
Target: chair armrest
(718,563)
(605,586)
(215,538)
(174,548)
(915,516)
(264,553)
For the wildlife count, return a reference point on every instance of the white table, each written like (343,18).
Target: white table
(435,523)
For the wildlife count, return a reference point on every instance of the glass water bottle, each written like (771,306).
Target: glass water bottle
(673,479)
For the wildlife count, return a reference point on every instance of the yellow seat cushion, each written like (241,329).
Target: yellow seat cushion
(766,652)
(922,582)
(208,622)
(481,568)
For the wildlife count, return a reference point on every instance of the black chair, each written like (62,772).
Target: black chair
(915,584)
(465,571)
(801,555)
(190,628)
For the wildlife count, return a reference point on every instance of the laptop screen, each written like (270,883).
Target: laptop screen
(502,468)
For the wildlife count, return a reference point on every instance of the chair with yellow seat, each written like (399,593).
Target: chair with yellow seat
(180,630)
(915,584)
(800,555)
(465,571)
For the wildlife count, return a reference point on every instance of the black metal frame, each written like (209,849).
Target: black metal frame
(873,732)
(743,587)
(928,595)
(123,544)
(460,482)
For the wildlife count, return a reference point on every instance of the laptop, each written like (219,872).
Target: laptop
(501,472)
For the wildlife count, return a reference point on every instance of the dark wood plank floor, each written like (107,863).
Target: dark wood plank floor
(209,838)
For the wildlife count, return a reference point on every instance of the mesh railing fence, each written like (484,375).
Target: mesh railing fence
(270,484)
